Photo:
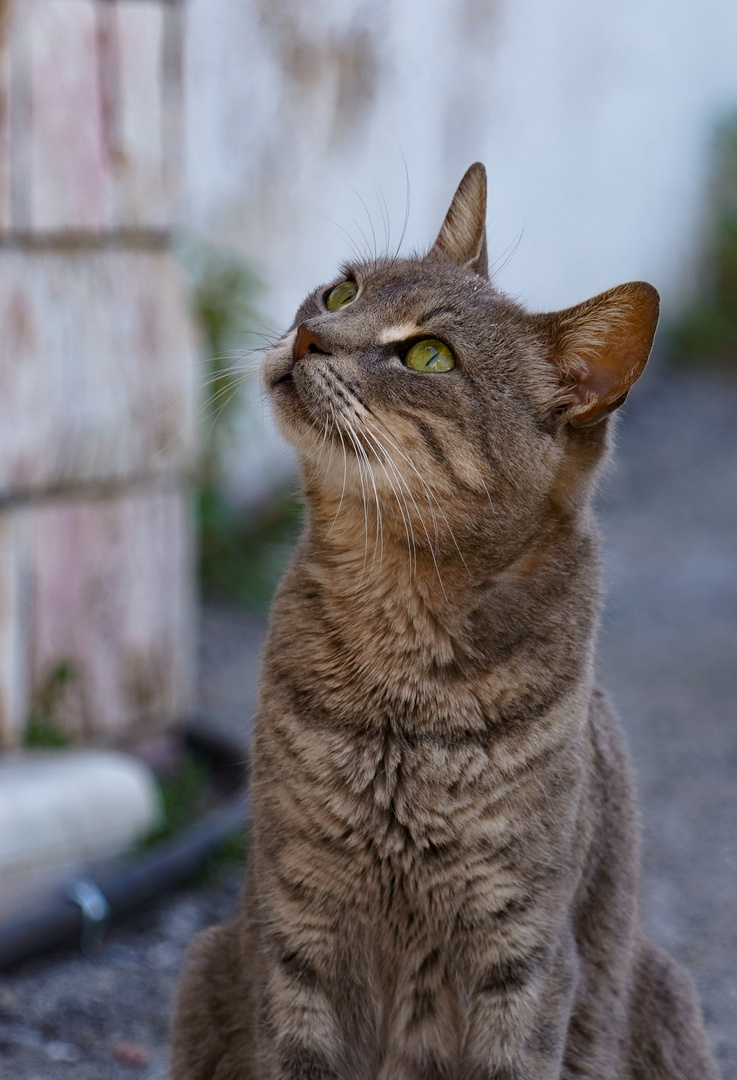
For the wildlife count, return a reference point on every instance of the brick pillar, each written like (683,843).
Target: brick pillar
(97,368)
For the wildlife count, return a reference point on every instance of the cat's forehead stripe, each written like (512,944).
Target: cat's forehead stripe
(398,332)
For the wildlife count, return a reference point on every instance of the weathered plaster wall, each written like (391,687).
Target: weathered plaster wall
(97,367)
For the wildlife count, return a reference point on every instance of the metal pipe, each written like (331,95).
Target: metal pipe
(92,901)
(63,921)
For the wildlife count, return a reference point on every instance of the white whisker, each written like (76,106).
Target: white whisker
(379,522)
(429,492)
(365,508)
(419,515)
(400,499)
(345,474)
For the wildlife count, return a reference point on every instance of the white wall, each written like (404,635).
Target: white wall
(594,118)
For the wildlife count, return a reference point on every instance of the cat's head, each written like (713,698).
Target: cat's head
(415,385)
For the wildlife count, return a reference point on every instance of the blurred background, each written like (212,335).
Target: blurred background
(174,176)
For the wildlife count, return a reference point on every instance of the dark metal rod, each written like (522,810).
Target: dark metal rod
(61,921)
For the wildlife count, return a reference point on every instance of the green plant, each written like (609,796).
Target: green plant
(182,797)
(706,331)
(241,559)
(42,730)
(223,300)
(230,855)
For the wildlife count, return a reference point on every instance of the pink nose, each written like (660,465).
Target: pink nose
(307,341)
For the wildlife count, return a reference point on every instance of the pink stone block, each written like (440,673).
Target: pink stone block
(71,179)
(143,197)
(113,597)
(98,369)
(90,114)
(14,611)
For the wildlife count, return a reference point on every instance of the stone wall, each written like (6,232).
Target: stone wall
(97,368)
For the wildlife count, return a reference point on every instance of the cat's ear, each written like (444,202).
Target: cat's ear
(462,238)
(600,349)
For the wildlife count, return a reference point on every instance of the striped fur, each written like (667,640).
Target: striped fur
(443,873)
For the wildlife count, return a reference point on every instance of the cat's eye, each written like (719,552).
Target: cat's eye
(430,355)
(342,294)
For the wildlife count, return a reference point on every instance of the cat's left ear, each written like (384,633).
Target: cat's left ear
(600,349)
(462,238)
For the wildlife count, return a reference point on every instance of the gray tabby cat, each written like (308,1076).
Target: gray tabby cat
(442,882)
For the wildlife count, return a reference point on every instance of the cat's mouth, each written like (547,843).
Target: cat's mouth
(313,398)
(278,371)
(285,383)
(315,387)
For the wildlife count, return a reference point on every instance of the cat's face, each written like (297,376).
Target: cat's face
(346,396)
(416,386)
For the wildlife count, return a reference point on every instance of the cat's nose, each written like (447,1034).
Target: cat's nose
(307,341)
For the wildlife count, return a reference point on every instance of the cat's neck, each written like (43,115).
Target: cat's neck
(457,596)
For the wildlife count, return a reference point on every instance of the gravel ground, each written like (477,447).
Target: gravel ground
(668,656)
(668,649)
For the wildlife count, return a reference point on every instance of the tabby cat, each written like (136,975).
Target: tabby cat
(444,858)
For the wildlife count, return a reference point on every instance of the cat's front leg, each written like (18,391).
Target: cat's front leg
(427,1022)
(297,1029)
(519,1015)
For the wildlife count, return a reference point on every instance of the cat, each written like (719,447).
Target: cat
(443,872)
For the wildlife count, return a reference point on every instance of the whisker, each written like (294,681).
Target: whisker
(365,510)
(514,245)
(400,500)
(384,210)
(406,206)
(379,522)
(345,475)
(488,496)
(367,256)
(346,236)
(235,386)
(428,489)
(368,215)
(422,522)
(204,411)
(220,412)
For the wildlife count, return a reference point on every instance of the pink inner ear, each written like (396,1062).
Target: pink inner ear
(615,368)
(612,336)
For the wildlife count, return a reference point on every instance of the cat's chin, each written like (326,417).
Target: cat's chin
(295,408)
(278,365)
(285,385)
(290,414)
(279,384)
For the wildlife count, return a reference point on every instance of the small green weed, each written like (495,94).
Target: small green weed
(42,730)
(230,855)
(223,301)
(706,332)
(241,559)
(182,796)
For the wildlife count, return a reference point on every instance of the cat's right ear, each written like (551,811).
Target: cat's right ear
(462,238)
(599,349)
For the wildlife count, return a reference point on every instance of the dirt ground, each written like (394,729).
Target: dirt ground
(668,656)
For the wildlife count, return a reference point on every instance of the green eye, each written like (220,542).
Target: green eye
(430,355)
(341,295)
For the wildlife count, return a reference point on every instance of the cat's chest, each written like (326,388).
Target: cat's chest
(414,792)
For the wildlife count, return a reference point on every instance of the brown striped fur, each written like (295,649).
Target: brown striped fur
(443,874)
